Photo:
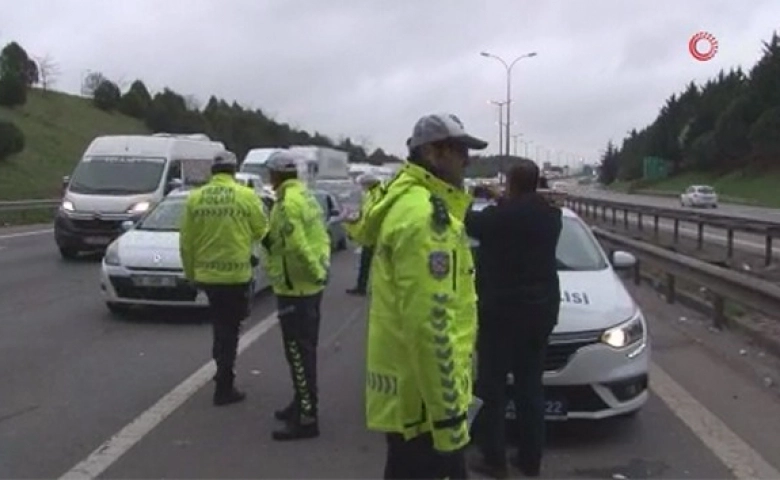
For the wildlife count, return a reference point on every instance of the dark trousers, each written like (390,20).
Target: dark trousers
(513,340)
(228,306)
(365,265)
(416,458)
(299,318)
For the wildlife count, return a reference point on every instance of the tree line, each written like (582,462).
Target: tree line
(730,122)
(239,128)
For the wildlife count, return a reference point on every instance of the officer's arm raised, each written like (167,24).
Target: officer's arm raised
(426,282)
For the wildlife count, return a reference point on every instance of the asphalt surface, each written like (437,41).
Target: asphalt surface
(72,377)
(742,211)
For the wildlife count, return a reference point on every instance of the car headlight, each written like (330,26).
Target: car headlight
(627,333)
(68,206)
(112,255)
(139,207)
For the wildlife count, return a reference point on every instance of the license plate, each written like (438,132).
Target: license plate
(553,409)
(154,281)
(97,240)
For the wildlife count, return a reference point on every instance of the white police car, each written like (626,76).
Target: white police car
(143,267)
(598,354)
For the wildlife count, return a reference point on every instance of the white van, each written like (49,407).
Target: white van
(119,178)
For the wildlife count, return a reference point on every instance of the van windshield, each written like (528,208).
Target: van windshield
(117,175)
(257,169)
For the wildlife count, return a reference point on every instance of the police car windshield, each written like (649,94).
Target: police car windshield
(577,250)
(165,217)
(116,175)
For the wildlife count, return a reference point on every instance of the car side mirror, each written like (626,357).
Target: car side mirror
(127,225)
(623,260)
(65,183)
(173,185)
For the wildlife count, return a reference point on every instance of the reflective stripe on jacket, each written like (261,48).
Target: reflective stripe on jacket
(222,221)
(297,253)
(422,321)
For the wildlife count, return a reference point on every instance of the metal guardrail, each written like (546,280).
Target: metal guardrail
(588,207)
(723,284)
(20,205)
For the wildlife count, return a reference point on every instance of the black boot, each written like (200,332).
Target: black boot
(226,393)
(287,413)
(302,428)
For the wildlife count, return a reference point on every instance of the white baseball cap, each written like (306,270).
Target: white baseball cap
(225,157)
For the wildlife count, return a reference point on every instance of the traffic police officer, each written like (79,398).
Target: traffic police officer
(297,261)
(221,222)
(372,189)
(422,319)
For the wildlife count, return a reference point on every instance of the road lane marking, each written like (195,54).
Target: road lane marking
(734,452)
(120,443)
(26,234)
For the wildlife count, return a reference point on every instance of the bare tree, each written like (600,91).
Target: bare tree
(48,71)
(91,81)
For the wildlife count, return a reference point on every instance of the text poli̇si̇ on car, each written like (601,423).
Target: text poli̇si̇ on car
(598,354)
(143,267)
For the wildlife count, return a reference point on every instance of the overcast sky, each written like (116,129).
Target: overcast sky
(368,68)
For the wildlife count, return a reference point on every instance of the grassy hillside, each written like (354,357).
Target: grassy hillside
(57,127)
(741,187)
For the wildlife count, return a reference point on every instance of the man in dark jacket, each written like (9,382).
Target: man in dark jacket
(519,297)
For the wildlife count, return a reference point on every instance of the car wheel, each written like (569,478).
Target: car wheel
(68,253)
(117,308)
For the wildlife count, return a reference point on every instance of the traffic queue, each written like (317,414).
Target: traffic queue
(487,308)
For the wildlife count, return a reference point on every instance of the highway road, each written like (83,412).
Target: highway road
(746,242)
(89,395)
(743,211)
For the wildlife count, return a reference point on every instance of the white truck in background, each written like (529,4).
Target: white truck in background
(332,164)
(316,163)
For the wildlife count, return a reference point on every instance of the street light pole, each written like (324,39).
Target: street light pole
(508,67)
(515,137)
(500,106)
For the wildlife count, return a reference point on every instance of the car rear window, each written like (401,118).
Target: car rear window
(706,190)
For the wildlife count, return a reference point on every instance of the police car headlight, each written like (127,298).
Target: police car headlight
(626,334)
(139,207)
(112,255)
(68,206)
